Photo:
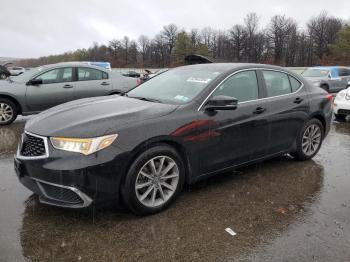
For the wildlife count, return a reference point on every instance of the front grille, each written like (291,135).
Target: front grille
(32,146)
(343,112)
(61,194)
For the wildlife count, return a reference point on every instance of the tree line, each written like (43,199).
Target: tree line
(324,40)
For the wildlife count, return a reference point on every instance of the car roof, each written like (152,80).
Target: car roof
(233,66)
(75,64)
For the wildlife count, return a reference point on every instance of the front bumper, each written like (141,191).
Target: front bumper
(73,180)
(341,106)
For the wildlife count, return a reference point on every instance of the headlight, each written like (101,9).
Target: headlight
(340,95)
(84,146)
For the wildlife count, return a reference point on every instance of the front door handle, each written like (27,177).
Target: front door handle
(67,86)
(298,100)
(259,110)
(104,84)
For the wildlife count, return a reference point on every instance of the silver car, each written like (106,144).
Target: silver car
(44,87)
(330,78)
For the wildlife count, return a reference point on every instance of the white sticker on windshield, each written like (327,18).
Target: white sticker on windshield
(198,80)
(182,98)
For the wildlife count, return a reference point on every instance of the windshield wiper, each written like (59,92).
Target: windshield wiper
(145,99)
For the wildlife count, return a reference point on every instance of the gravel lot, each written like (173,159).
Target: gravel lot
(281,210)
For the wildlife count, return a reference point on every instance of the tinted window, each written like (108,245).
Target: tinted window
(294,83)
(243,86)
(58,75)
(277,83)
(344,72)
(85,74)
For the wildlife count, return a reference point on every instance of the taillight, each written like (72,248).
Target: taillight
(329,97)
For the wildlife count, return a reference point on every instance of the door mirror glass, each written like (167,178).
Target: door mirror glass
(222,103)
(35,82)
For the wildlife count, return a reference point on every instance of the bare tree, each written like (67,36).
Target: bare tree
(144,43)
(280,33)
(322,30)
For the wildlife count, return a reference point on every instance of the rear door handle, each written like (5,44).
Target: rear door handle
(259,110)
(67,86)
(298,100)
(104,84)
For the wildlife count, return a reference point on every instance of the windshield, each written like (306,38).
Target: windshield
(316,73)
(27,75)
(177,86)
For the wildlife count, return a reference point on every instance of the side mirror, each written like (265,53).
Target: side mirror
(348,84)
(222,103)
(35,82)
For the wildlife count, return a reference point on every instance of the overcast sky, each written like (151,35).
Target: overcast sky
(42,27)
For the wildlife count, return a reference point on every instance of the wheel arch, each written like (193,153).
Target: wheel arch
(163,140)
(321,118)
(15,101)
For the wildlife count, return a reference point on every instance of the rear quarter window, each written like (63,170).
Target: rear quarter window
(295,84)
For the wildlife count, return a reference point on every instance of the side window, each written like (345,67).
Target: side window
(243,86)
(294,83)
(344,72)
(104,75)
(58,75)
(277,83)
(86,74)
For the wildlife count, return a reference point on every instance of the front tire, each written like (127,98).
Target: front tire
(154,180)
(8,111)
(325,87)
(3,76)
(309,140)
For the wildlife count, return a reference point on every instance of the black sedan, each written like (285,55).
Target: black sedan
(185,125)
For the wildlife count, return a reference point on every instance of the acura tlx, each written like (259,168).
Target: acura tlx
(182,126)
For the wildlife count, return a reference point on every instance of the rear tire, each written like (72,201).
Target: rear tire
(3,76)
(309,140)
(325,87)
(8,111)
(154,180)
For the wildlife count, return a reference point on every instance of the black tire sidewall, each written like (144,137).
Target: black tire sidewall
(299,154)
(14,109)
(128,188)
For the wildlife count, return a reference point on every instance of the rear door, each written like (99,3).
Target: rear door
(287,108)
(92,82)
(57,88)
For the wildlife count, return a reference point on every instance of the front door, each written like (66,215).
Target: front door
(234,136)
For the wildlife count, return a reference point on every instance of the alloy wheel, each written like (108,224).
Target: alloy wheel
(6,112)
(311,140)
(157,181)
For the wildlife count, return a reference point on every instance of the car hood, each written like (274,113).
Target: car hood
(93,117)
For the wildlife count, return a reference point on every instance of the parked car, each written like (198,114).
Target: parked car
(41,88)
(16,70)
(298,70)
(182,126)
(4,72)
(132,74)
(330,78)
(341,104)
